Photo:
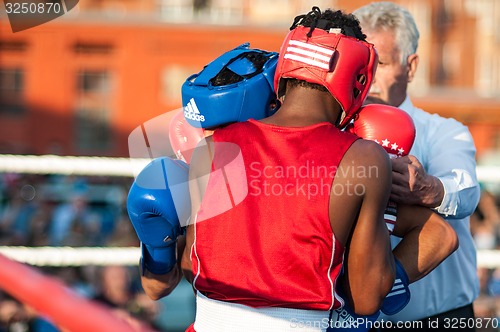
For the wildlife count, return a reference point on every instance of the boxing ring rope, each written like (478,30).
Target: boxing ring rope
(129,256)
(128,167)
(52,164)
(70,256)
(49,296)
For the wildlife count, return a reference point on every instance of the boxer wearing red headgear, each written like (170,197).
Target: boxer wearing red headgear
(272,262)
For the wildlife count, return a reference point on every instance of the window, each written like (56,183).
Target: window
(86,48)
(12,46)
(176,10)
(12,91)
(93,82)
(172,77)
(92,114)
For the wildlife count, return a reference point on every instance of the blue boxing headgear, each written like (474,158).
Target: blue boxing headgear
(235,87)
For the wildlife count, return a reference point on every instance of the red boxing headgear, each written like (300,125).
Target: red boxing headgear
(344,65)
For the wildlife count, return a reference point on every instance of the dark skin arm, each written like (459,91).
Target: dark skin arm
(157,286)
(427,240)
(357,221)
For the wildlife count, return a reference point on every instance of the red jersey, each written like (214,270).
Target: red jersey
(263,235)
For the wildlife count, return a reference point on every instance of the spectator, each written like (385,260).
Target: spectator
(116,290)
(485,221)
(74,223)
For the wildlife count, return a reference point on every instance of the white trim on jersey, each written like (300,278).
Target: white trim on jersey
(214,315)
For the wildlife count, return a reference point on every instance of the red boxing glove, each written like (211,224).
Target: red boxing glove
(184,137)
(393,129)
(388,126)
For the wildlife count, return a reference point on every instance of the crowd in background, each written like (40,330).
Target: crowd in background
(485,228)
(57,210)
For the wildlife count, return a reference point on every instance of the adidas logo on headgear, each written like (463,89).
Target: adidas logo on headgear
(191,111)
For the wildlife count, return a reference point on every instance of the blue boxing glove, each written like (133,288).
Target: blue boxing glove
(159,206)
(400,295)
(345,319)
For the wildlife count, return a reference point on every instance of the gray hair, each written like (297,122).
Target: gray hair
(388,16)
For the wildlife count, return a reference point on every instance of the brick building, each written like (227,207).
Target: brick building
(80,84)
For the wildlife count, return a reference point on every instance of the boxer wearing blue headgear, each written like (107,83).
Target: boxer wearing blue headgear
(235,87)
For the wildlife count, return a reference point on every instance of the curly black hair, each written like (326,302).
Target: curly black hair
(347,23)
